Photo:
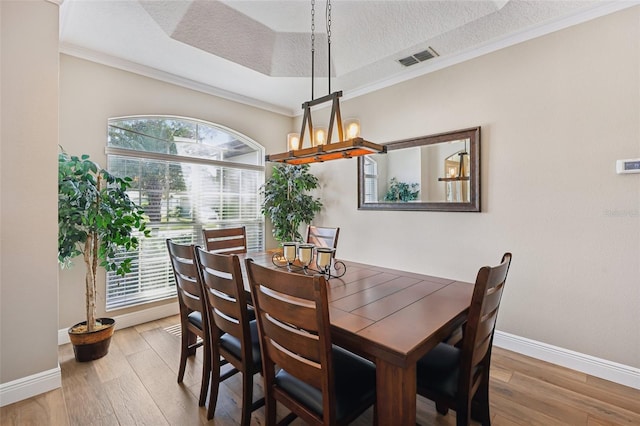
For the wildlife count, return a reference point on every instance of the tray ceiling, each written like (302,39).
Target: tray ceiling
(258,52)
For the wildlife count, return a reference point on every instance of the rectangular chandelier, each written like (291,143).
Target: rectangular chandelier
(318,151)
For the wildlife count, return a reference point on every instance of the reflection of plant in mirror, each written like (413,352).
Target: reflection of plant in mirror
(402,191)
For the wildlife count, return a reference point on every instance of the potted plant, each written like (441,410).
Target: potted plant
(286,201)
(96,219)
(401,191)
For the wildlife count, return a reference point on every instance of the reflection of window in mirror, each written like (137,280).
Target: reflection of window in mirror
(370,180)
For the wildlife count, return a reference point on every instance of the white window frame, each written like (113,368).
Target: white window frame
(370,180)
(143,286)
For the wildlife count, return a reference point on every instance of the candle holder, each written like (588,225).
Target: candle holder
(325,260)
(287,257)
(300,256)
(305,256)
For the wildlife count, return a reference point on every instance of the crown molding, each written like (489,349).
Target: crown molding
(439,63)
(146,71)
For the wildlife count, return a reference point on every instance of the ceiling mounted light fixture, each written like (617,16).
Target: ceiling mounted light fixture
(349,144)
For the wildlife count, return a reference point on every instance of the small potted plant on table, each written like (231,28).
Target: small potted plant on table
(96,219)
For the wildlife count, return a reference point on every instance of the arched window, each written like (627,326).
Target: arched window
(188,175)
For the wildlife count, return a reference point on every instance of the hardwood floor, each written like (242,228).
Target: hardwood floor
(136,385)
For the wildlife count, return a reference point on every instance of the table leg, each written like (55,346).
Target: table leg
(396,394)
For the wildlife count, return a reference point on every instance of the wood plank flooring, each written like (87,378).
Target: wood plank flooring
(135,384)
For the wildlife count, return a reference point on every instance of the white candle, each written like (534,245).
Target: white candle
(289,252)
(304,253)
(324,258)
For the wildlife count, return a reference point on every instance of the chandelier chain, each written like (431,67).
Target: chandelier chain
(313,24)
(313,43)
(328,18)
(329,21)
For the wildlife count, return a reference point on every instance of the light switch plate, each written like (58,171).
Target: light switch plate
(628,166)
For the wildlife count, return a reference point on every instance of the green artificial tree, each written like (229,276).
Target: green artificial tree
(96,219)
(286,201)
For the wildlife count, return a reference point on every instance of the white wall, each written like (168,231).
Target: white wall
(28,170)
(91,93)
(556,113)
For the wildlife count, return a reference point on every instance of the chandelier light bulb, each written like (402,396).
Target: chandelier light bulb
(293,141)
(319,136)
(352,128)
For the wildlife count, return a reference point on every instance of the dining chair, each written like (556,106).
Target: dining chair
(233,335)
(226,240)
(193,316)
(457,377)
(318,382)
(323,237)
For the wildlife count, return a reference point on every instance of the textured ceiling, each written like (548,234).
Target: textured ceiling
(259,52)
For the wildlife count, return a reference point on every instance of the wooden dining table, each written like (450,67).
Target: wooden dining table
(392,318)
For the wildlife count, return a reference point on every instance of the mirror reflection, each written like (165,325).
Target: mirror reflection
(438,172)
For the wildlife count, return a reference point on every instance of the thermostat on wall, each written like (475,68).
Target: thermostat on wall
(628,166)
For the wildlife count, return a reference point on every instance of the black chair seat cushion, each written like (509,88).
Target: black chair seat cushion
(232,344)
(439,369)
(252,312)
(354,381)
(195,318)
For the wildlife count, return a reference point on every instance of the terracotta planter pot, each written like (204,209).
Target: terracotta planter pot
(94,345)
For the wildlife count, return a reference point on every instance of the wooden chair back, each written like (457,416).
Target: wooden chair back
(323,237)
(481,322)
(225,296)
(193,314)
(226,302)
(458,376)
(225,241)
(293,321)
(186,275)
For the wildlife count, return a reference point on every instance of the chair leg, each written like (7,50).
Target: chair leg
(375,414)
(184,349)
(247,397)
(441,408)
(480,404)
(215,384)
(270,410)
(206,374)
(463,415)
(191,343)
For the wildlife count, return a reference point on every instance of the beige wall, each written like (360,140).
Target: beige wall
(28,170)
(556,113)
(91,93)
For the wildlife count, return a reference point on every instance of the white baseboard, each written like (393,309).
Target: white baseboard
(133,318)
(29,386)
(598,367)
(46,381)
